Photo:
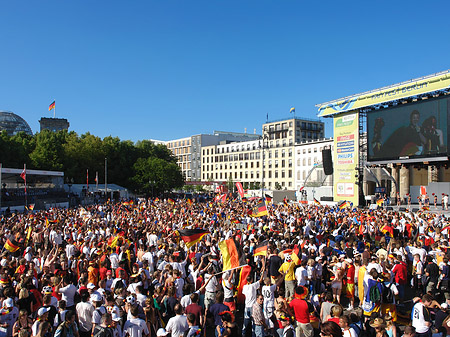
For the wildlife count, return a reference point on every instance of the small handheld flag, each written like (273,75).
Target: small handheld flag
(51,106)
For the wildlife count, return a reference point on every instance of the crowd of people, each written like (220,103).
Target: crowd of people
(122,269)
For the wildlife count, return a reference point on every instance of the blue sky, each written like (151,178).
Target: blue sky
(171,69)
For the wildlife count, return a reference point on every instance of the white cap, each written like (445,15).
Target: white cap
(115,317)
(444,305)
(90,286)
(96,298)
(161,332)
(131,300)
(43,310)
(8,303)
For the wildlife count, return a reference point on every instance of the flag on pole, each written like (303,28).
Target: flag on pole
(317,202)
(261,249)
(11,245)
(380,202)
(189,202)
(245,271)
(29,230)
(23,175)
(170,201)
(87,179)
(232,254)
(292,110)
(51,106)
(192,236)
(259,210)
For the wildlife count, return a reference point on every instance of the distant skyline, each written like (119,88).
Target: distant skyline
(170,69)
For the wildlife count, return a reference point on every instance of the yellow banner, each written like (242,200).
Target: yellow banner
(346,156)
(399,91)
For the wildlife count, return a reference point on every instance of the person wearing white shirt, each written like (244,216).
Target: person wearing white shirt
(177,325)
(301,275)
(249,290)
(135,327)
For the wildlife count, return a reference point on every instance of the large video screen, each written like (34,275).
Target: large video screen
(413,130)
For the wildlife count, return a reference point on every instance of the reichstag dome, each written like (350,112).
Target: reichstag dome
(13,123)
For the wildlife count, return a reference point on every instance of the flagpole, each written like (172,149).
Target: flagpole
(245,265)
(54,110)
(96,180)
(26,196)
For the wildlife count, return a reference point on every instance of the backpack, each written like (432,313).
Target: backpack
(375,294)
(388,294)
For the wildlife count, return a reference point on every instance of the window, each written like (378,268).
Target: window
(276,174)
(276,163)
(276,153)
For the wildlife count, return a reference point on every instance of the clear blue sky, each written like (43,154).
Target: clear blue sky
(170,68)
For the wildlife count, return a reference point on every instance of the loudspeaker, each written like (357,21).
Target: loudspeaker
(415,209)
(326,198)
(327,161)
(402,209)
(389,208)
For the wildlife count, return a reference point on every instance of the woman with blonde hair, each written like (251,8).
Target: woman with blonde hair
(23,323)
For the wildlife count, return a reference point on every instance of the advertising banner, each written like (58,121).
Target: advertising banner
(240,189)
(386,94)
(346,156)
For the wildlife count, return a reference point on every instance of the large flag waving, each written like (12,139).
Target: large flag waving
(192,236)
(232,255)
(259,210)
(11,245)
(261,249)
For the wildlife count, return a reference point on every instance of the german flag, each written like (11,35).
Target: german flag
(11,245)
(259,210)
(232,255)
(345,204)
(189,202)
(268,198)
(286,202)
(192,236)
(245,271)
(51,106)
(261,249)
(317,202)
(380,202)
(170,201)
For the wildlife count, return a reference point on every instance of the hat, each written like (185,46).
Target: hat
(161,332)
(96,298)
(348,260)
(43,310)
(90,286)
(377,323)
(284,318)
(132,301)
(109,272)
(8,303)
(115,317)
(47,290)
(444,306)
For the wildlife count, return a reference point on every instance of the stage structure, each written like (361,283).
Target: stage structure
(401,126)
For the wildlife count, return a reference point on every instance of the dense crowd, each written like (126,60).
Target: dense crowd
(122,269)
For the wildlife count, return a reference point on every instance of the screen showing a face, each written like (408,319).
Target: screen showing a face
(416,130)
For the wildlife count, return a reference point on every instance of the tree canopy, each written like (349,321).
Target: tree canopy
(142,167)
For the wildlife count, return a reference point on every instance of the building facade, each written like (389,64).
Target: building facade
(181,148)
(54,124)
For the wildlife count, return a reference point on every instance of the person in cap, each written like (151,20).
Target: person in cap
(99,311)
(9,315)
(286,324)
(115,324)
(42,316)
(379,325)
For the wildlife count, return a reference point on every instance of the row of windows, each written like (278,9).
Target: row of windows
(179,143)
(309,150)
(247,175)
(230,166)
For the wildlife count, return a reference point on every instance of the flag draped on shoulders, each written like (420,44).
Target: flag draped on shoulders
(192,236)
(232,254)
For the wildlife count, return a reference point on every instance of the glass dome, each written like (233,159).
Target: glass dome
(13,123)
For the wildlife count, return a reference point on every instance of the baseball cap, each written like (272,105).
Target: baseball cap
(115,317)
(43,310)
(8,303)
(90,286)
(161,332)
(96,298)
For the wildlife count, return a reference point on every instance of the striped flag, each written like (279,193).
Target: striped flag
(192,236)
(11,245)
(345,204)
(259,210)
(261,249)
(380,202)
(317,202)
(291,110)
(245,271)
(170,201)
(232,255)
(189,202)
(51,106)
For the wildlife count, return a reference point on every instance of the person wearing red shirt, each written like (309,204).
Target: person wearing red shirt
(350,282)
(103,270)
(400,272)
(300,308)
